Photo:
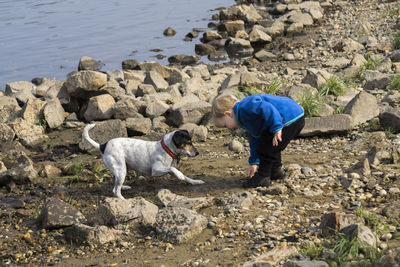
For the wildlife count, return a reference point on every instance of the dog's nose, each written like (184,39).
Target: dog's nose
(197,153)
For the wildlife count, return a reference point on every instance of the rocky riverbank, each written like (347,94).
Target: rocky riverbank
(338,205)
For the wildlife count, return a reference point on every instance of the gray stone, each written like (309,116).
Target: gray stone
(236,47)
(192,112)
(99,108)
(336,123)
(9,109)
(177,225)
(376,80)
(236,146)
(22,91)
(83,234)
(82,82)
(24,128)
(197,132)
(156,108)
(390,119)
(272,257)
(169,199)
(154,78)
(88,63)
(392,210)
(127,108)
(138,126)
(6,133)
(241,200)
(333,222)
(59,214)
(145,89)
(114,211)
(103,132)
(363,107)
(361,232)
(306,263)
(54,113)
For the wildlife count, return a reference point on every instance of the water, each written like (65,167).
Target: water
(46,38)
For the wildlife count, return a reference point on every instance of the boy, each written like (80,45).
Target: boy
(271,122)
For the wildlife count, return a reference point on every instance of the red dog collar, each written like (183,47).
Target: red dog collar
(168,150)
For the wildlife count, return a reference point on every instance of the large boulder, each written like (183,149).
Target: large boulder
(336,123)
(177,225)
(82,82)
(84,234)
(22,91)
(54,113)
(362,108)
(193,112)
(59,214)
(9,108)
(99,108)
(115,211)
(390,119)
(103,132)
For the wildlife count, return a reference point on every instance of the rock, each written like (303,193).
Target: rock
(81,234)
(264,55)
(301,18)
(233,26)
(327,125)
(127,108)
(197,132)
(82,82)
(138,126)
(361,232)
(241,200)
(115,211)
(337,63)
(334,222)
(22,91)
(272,257)
(156,108)
(203,49)
(363,107)
(169,32)
(390,119)
(210,36)
(316,78)
(156,80)
(392,210)
(306,263)
(58,214)
(23,128)
(54,113)
(6,133)
(169,199)
(130,64)
(9,109)
(145,89)
(50,171)
(88,63)
(49,89)
(103,132)
(177,225)
(376,80)
(236,47)
(99,108)
(32,111)
(192,112)
(257,35)
(236,146)
(277,28)
(195,85)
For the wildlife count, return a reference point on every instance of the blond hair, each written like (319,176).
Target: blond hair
(223,103)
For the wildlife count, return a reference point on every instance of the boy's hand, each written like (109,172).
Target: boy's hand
(277,137)
(252,170)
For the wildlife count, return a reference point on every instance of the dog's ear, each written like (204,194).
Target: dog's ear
(181,137)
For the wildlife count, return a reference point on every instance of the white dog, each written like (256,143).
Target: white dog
(151,158)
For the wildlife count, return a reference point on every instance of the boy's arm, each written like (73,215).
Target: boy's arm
(272,116)
(253,159)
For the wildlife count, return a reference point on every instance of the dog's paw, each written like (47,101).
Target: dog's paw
(196,182)
(125,187)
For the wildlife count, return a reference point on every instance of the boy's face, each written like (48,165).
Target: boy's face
(227,121)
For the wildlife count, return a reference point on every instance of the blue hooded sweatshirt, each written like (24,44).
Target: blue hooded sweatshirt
(259,113)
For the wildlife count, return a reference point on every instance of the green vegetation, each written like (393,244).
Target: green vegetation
(74,168)
(311,103)
(251,89)
(370,64)
(339,110)
(334,86)
(313,251)
(370,218)
(397,41)
(395,83)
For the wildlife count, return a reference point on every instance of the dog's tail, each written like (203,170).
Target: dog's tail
(85,135)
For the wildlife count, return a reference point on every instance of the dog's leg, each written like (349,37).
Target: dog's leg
(118,168)
(158,170)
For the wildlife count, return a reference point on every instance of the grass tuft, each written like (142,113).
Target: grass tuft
(395,83)
(311,103)
(370,64)
(334,86)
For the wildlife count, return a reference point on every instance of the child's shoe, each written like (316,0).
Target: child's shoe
(277,173)
(257,180)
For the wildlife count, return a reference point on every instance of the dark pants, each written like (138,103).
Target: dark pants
(270,156)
